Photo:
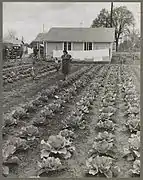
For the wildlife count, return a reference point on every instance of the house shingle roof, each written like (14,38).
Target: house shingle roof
(77,35)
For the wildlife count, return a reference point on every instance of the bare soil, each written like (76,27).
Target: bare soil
(27,89)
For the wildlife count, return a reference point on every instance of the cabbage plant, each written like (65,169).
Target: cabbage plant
(133,151)
(109,137)
(13,145)
(29,132)
(133,124)
(19,113)
(9,120)
(100,165)
(136,168)
(49,164)
(107,125)
(102,147)
(57,145)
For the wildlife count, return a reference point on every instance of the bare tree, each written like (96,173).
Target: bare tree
(10,34)
(122,19)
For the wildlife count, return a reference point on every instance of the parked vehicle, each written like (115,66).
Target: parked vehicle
(15,51)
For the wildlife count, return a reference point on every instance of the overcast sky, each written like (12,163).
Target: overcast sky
(27,18)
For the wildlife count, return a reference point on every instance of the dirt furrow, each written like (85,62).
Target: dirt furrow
(27,90)
(120,132)
(30,158)
(84,138)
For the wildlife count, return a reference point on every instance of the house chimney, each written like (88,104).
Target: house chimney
(43,28)
(81,24)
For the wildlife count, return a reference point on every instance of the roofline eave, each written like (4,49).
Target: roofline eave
(76,41)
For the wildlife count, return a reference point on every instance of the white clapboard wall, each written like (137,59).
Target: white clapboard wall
(95,55)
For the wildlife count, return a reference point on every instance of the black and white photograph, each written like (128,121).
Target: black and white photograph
(71,89)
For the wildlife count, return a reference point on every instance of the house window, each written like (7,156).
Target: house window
(67,46)
(87,46)
(90,46)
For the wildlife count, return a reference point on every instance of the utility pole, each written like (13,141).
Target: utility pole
(81,25)
(111,15)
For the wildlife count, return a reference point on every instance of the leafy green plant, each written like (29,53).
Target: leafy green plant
(107,125)
(133,125)
(5,170)
(43,98)
(29,132)
(109,137)
(19,113)
(46,112)
(14,160)
(57,145)
(136,168)
(37,102)
(9,120)
(55,106)
(134,144)
(29,107)
(49,164)
(105,116)
(12,145)
(102,147)
(68,134)
(100,165)
(133,110)
(109,109)
(133,151)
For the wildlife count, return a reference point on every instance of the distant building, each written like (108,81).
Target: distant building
(13,41)
(79,42)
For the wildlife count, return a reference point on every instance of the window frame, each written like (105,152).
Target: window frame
(88,46)
(69,43)
(67,46)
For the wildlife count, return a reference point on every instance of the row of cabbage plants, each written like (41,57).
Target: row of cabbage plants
(132,114)
(101,157)
(24,110)
(23,73)
(60,147)
(29,134)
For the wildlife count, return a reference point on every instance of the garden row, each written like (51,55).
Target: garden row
(72,78)
(22,110)
(57,149)
(101,156)
(108,85)
(79,83)
(23,72)
(132,114)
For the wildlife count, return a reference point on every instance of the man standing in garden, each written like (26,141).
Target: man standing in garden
(34,57)
(66,60)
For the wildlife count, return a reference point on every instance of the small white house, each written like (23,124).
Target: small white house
(81,43)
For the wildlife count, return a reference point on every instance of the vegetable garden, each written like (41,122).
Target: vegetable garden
(86,126)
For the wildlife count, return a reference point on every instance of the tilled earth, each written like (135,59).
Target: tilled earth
(24,90)
(27,90)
